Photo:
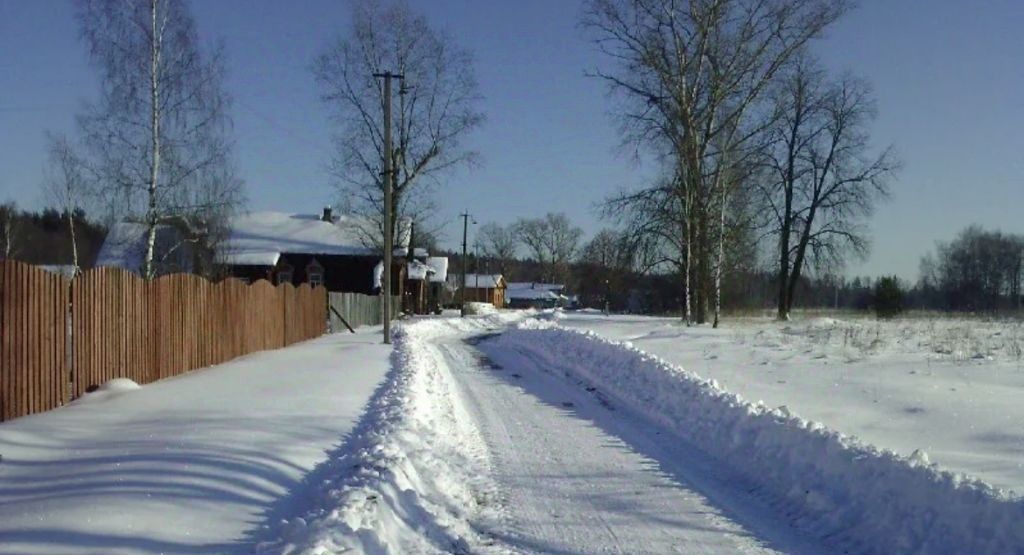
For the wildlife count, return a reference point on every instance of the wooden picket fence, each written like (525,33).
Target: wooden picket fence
(60,337)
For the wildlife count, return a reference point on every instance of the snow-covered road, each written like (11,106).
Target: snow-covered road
(579,475)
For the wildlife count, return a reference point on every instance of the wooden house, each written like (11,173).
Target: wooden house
(327,250)
(485,288)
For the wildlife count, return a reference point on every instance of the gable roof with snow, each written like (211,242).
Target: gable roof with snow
(259,238)
(556,287)
(480,281)
(125,247)
(532,294)
(440,267)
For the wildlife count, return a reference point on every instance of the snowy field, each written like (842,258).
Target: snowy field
(951,388)
(192,464)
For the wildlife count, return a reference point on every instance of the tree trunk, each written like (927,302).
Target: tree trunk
(74,243)
(154,93)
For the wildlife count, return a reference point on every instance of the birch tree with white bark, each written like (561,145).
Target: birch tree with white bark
(690,78)
(67,185)
(159,134)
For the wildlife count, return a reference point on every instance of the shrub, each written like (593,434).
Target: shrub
(888,297)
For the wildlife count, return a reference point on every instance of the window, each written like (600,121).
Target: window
(315,273)
(284,276)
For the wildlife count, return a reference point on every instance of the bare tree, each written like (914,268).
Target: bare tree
(552,241)
(159,131)
(499,244)
(691,78)
(823,181)
(66,185)
(10,229)
(437,107)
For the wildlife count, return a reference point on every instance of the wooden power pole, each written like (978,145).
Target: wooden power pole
(389,176)
(462,290)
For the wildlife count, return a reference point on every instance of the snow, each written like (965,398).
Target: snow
(556,287)
(519,432)
(191,464)
(856,497)
(124,246)
(418,270)
(440,266)
(480,308)
(483,280)
(532,294)
(945,386)
(414,473)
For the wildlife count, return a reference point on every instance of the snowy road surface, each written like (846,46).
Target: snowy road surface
(579,475)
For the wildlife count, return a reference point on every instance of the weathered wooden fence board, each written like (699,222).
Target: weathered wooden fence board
(59,337)
(360,310)
(33,351)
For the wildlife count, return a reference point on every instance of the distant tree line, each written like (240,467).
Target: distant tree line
(44,237)
(978,271)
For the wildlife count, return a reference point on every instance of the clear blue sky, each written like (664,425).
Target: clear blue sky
(947,73)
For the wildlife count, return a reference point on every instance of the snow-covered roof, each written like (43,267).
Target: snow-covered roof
(534,285)
(418,270)
(531,294)
(440,266)
(124,246)
(483,280)
(258,238)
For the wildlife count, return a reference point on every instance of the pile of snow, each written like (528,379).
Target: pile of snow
(415,472)
(108,390)
(474,309)
(859,497)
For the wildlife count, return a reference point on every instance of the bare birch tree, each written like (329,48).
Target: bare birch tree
(691,78)
(824,179)
(66,185)
(10,229)
(437,107)
(159,132)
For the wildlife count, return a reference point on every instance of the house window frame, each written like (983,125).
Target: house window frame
(315,273)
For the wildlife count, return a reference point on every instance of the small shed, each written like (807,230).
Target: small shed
(485,288)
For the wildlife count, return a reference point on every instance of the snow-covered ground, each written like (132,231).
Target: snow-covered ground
(518,432)
(192,464)
(951,388)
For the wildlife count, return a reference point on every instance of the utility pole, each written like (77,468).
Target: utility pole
(389,176)
(462,290)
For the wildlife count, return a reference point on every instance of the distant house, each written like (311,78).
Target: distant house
(328,250)
(535,295)
(484,288)
(125,247)
(437,293)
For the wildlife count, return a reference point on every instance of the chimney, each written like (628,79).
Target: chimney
(327,217)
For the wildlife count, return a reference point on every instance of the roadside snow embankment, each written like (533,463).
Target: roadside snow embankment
(856,496)
(415,471)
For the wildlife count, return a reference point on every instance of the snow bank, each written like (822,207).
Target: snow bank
(480,308)
(416,470)
(862,499)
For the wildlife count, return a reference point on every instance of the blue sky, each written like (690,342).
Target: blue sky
(947,75)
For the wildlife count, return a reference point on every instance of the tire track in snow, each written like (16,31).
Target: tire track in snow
(571,487)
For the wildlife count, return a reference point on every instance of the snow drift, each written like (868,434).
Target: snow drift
(857,497)
(415,472)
